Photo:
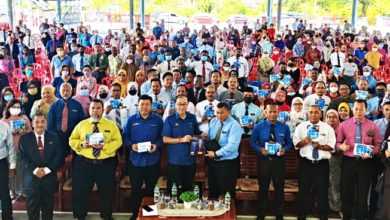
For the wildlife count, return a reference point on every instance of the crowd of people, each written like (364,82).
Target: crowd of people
(320,91)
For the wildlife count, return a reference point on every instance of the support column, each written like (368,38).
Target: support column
(354,13)
(142,12)
(269,12)
(131,14)
(59,11)
(279,14)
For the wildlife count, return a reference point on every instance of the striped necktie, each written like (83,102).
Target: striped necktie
(96,152)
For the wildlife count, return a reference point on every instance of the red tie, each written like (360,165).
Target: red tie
(204,71)
(40,147)
(54,45)
(64,120)
(169,65)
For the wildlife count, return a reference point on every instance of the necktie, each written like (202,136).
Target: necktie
(237,65)
(97,60)
(204,71)
(54,46)
(155,97)
(169,65)
(40,147)
(358,133)
(81,62)
(315,153)
(64,120)
(196,95)
(387,132)
(96,152)
(95,39)
(272,133)
(231,95)
(338,60)
(218,135)
(29,41)
(118,117)
(246,129)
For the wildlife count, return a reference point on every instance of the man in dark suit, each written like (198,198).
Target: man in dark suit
(40,154)
(13,50)
(197,93)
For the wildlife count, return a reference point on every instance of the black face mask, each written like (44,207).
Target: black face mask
(103,95)
(132,92)
(291,65)
(204,43)
(248,100)
(279,103)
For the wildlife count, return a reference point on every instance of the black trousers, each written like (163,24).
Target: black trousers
(222,177)
(6,202)
(138,175)
(40,200)
(85,174)
(355,174)
(99,76)
(181,174)
(316,176)
(271,170)
(378,168)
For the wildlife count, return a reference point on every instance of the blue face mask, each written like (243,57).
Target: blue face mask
(168,58)
(8,97)
(203,58)
(380,94)
(29,72)
(84,92)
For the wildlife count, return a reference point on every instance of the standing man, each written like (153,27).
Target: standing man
(95,162)
(204,110)
(179,128)
(197,93)
(99,63)
(271,165)
(144,165)
(223,163)
(240,64)
(40,154)
(315,140)
(7,155)
(158,96)
(357,170)
(203,67)
(64,115)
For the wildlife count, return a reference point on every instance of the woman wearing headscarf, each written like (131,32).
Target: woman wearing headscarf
(103,92)
(297,115)
(130,67)
(33,94)
(140,79)
(83,97)
(131,100)
(6,95)
(13,116)
(43,105)
(123,80)
(344,111)
(332,119)
(280,99)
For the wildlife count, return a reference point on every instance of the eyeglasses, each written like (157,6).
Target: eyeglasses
(297,104)
(332,117)
(121,75)
(182,104)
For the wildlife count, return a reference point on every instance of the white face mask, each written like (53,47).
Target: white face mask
(366,73)
(375,49)
(64,73)
(333,89)
(128,61)
(265,55)
(226,68)
(15,111)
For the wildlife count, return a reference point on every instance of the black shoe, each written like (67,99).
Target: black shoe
(279,217)
(260,217)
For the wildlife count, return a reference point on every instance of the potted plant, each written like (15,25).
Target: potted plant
(188,197)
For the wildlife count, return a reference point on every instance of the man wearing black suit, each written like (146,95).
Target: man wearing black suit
(13,50)
(197,93)
(40,154)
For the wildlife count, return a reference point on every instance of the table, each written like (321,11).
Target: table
(229,215)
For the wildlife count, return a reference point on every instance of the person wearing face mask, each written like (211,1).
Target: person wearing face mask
(102,94)
(73,49)
(371,81)
(63,78)
(166,66)
(225,72)
(130,68)
(13,112)
(122,79)
(349,71)
(203,67)
(59,61)
(205,46)
(131,100)
(6,95)
(79,60)
(29,71)
(298,49)
(280,100)
(327,51)
(373,57)
(247,108)
(89,79)
(187,45)
(333,91)
(240,64)
(82,96)
(291,93)
(360,54)
(265,66)
(312,54)
(28,99)
(279,43)
(146,65)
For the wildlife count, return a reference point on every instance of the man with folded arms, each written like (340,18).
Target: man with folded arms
(357,168)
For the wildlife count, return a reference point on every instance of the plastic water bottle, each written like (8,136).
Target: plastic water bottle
(174,192)
(156,194)
(196,191)
(227,201)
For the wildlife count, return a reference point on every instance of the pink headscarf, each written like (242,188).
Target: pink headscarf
(335,126)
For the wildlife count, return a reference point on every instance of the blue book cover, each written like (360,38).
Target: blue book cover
(262,93)
(336,71)
(287,80)
(209,112)
(272,148)
(313,132)
(361,149)
(284,117)
(360,94)
(274,78)
(246,120)
(306,81)
(156,105)
(115,103)
(373,104)
(320,103)
(18,124)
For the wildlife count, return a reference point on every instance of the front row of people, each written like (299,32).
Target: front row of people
(95,142)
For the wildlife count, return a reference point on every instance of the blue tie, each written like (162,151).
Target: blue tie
(81,62)
(358,133)
(315,153)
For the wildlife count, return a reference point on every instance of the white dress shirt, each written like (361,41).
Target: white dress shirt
(326,137)
(29,41)
(243,69)
(164,98)
(200,110)
(46,169)
(198,67)
(333,58)
(162,68)
(311,100)
(124,113)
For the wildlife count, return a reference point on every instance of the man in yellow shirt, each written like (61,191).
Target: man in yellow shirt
(373,57)
(95,141)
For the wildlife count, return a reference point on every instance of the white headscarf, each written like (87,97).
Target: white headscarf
(297,117)
(131,101)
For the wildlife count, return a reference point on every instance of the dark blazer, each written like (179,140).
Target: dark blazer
(15,53)
(30,159)
(191,95)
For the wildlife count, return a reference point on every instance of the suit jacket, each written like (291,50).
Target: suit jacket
(191,95)
(30,159)
(15,53)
